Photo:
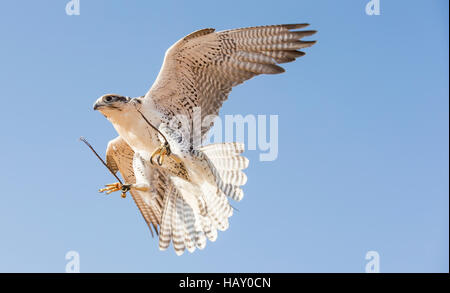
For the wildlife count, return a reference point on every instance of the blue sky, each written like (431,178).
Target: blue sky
(363,137)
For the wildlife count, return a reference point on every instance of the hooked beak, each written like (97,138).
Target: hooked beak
(97,106)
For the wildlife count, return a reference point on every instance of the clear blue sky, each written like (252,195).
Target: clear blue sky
(363,137)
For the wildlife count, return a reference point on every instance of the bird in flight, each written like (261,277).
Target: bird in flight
(180,186)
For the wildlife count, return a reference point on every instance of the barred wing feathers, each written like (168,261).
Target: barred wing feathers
(226,164)
(200,69)
(182,223)
(119,158)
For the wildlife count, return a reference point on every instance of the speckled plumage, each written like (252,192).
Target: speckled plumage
(181,211)
(200,69)
(188,201)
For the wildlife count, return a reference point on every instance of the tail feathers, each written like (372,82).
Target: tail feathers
(230,190)
(178,227)
(184,227)
(234,177)
(230,163)
(208,228)
(188,227)
(200,238)
(226,165)
(165,233)
(223,150)
(218,210)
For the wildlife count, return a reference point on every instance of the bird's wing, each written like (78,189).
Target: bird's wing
(200,69)
(119,157)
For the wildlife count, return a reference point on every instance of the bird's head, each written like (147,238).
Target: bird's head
(111,104)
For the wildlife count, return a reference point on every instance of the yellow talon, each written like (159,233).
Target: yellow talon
(161,156)
(113,187)
(155,153)
(161,152)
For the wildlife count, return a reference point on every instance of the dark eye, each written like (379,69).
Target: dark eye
(108,99)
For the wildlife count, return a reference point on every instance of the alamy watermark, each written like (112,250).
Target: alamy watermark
(73,7)
(373,7)
(257,132)
(73,264)
(262,133)
(373,264)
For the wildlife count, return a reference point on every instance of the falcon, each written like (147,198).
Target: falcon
(180,186)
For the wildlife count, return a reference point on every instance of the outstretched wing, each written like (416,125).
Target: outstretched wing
(119,157)
(201,69)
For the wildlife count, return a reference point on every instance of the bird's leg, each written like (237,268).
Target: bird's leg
(113,187)
(161,152)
